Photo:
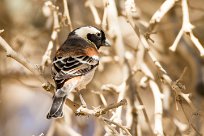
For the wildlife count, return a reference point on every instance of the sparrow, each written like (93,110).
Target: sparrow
(74,64)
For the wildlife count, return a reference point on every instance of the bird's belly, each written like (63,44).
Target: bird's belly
(76,82)
(68,87)
(85,80)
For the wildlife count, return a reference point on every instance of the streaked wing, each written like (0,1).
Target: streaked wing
(72,66)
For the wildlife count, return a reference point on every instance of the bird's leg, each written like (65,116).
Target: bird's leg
(81,99)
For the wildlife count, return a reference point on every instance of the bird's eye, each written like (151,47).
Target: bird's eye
(98,34)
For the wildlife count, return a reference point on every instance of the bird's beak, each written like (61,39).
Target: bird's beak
(107,43)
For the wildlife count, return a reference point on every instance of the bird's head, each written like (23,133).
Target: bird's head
(91,34)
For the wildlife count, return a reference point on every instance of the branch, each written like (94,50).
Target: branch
(130,9)
(145,113)
(160,13)
(101,97)
(110,130)
(66,15)
(114,27)
(134,95)
(98,112)
(92,7)
(158,127)
(177,86)
(46,59)
(23,61)
(190,120)
(187,28)
(117,124)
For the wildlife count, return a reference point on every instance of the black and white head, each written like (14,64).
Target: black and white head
(91,34)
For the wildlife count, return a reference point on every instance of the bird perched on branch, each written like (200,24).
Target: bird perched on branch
(74,64)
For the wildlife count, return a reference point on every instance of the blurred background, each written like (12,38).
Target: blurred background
(28,26)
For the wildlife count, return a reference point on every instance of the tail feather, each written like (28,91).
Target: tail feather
(56,108)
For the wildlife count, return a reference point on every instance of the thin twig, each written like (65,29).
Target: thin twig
(189,120)
(158,127)
(112,106)
(101,97)
(160,13)
(117,124)
(94,11)
(46,58)
(114,28)
(98,112)
(66,15)
(114,131)
(187,28)
(130,11)
(21,59)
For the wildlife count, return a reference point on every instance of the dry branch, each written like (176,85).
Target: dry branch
(158,127)
(90,4)
(98,112)
(114,28)
(130,11)
(66,15)
(187,28)
(117,124)
(21,59)
(160,13)
(46,59)
(175,85)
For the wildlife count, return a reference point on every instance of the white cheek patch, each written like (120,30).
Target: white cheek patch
(83,31)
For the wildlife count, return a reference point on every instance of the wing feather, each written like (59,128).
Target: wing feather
(69,67)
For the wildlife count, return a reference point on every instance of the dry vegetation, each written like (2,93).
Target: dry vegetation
(150,82)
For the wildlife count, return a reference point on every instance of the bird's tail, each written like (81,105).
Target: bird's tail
(56,108)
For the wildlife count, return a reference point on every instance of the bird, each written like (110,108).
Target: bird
(74,64)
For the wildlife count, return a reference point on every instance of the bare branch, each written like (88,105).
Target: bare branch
(92,7)
(187,28)
(130,11)
(98,112)
(117,124)
(175,85)
(113,24)
(158,127)
(22,60)
(160,13)
(66,15)
(46,59)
